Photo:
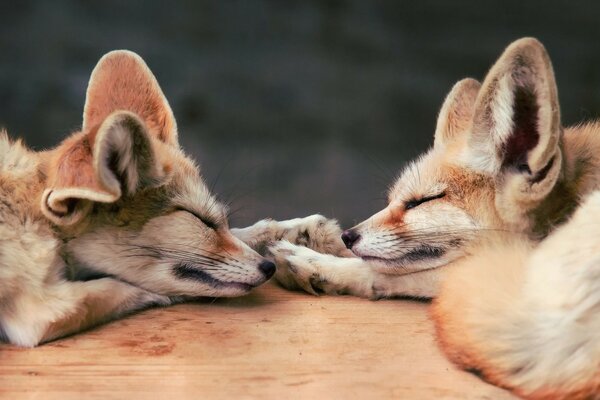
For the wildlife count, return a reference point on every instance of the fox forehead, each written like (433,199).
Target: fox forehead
(436,172)
(420,178)
(190,192)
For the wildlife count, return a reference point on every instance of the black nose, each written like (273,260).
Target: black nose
(350,237)
(267,268)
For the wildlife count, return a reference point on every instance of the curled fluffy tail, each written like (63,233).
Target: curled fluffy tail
(527,320)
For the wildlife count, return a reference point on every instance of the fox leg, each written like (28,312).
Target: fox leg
(315,232)
(70,307)
(303,268)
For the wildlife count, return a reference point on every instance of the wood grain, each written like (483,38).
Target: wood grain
(270,344)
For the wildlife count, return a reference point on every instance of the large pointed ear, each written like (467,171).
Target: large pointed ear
(115,159)
(122,81)
(516,130)
(516,124)
(456,114)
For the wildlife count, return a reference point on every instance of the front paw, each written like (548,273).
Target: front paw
(315,232)
(300,268)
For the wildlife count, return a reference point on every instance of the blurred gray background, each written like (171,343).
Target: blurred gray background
(291,107)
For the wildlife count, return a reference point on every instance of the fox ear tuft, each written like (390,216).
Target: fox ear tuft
(456,114)
(101,166)
(122,81)
(516,128)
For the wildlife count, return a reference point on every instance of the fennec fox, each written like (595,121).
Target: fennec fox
(501,221)
(116,218)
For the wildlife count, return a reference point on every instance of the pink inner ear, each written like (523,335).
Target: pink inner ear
(525,134)
(122,81)
(74,166)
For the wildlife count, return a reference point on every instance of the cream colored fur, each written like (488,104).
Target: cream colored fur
(515,273)
(526,318)
(116,218)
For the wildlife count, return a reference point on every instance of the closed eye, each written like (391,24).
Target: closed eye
(210,223)
(414,203)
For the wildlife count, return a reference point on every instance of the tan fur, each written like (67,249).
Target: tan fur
(457,112)
(134,81)
(517,306)
(526,318)
(114,219)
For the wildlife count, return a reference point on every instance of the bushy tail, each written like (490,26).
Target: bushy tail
(527,320)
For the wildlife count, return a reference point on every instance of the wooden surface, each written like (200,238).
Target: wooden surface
(270,344)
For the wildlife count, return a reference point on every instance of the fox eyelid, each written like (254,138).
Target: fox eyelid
(206,221)
(209,224)
(416,202)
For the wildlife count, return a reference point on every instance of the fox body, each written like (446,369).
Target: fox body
(498,221)
(117,218)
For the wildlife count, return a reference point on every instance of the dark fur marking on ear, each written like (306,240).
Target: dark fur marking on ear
(525,135)
(541,175)
(142,158)
(113,165)
(524,168)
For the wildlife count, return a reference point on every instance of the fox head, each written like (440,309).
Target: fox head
(128,202)
(495,160)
